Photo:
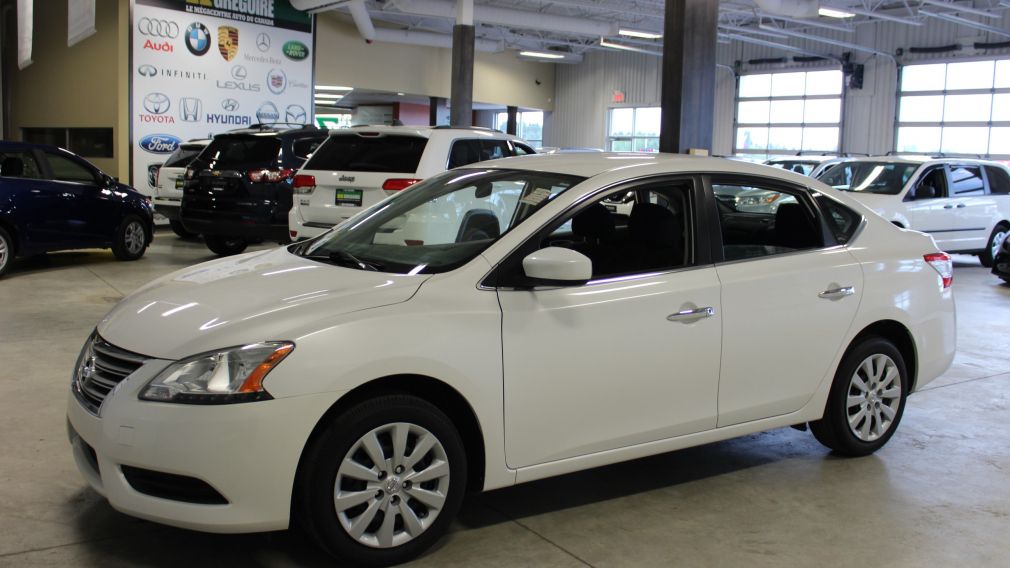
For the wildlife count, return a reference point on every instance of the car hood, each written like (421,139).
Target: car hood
(261,296)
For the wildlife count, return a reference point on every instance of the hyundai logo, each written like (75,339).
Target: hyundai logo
(157,103)
(267,113)
(159,143)
(263,42)
(197,38)
(190,109)
(147,70)
(158,28)
(295,114)
(230,105)
(239,73)
(277,81)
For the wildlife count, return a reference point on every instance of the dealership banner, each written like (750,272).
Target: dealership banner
(202,67)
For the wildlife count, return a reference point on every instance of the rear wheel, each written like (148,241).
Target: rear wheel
(995,241)
(6,251)
(179,229)
(131,239)
(867,399)
(225,246)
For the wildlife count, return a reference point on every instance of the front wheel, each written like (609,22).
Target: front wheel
(383,481)
(131,239)
(992,248)
(6,251)
(866,401)
(225,246)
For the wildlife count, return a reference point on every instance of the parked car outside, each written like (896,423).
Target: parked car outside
(362,386)
(963,204)
(169,179)
(358,167)
(52,199)
(239,188)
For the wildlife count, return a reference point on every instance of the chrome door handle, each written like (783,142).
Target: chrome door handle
(688,316)
(960,205)
(948,206)
(836,293)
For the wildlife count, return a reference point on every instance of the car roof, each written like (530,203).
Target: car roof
(423,131)
(277,129)
(816,159)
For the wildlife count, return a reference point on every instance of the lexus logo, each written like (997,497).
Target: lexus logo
(156,103)
(263,42)
(230,105)
(295,114)
(239,73)
(190,109)
(147,70)
(158,28)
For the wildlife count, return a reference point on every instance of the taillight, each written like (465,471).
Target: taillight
(398,184)
(190,172)
(303,184)
(294,234)
(940,261)
(269,176)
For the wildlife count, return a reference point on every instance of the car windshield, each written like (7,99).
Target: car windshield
(886,178)
(438,224)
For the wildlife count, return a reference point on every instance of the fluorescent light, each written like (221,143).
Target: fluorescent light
(329,96)
(640,34)
(542,54)
(325,103)
(399,94)
(612,45)
(333,88)
(833,13)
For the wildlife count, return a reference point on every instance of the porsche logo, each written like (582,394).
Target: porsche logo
(227,42)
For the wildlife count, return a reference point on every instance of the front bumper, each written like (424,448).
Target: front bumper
(247,452)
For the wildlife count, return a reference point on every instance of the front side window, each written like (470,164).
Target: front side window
(758,220)
(65,169)
(440,223)
(19,164)
(886,178)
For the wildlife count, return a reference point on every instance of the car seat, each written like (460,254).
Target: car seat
(478,225)
(12,167)
(793,228)
(656,237)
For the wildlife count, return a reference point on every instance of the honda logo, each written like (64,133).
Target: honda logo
(157,103)
(190,109)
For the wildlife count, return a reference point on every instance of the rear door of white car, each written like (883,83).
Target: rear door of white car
(788,299)
(628,358)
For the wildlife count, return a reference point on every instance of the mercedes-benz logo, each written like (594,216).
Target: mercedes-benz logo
(147,70)
(230,105)
(263,42)
(239,73)
(157,103)
(158,28)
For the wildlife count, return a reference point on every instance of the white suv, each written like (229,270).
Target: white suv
(168,187)
(964,204)
(358,167)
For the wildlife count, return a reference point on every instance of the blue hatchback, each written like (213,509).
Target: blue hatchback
(51,199)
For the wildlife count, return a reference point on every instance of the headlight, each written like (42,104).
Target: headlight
(220,377)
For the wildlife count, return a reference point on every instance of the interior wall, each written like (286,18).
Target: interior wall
(343,58)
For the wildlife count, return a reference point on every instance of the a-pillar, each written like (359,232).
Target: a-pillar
(688,97)
(461,92)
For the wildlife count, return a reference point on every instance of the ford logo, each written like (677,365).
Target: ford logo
(160,143)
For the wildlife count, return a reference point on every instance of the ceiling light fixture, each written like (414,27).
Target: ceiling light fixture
(328,96)
(542,54)
(639,34)
(612,45)
(333,88)
(834,13)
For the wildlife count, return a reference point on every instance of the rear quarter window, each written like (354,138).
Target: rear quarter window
(999,180)
(842,221)
(356,153)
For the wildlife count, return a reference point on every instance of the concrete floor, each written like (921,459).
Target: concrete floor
(938,494)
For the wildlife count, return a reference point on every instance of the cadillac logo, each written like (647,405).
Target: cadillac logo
(277,81)
(227,42)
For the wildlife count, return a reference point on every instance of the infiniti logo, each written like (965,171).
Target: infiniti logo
(239,73)
(156,103)
(158,28)
(230,105)
(147,70)
(263,42)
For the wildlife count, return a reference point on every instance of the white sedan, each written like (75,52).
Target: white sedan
(498,324)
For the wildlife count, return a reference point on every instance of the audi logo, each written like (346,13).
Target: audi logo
(158,28)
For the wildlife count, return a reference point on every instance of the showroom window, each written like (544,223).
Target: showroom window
(786,113)
(955,108)
(633,129)
(529,126)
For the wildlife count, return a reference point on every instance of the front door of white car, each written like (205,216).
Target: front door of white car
(958,218)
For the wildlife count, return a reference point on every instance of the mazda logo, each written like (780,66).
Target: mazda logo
(147,70)
(156,103)
(158,28)
(230,105)
(263,42)
(239,73)
(295,114)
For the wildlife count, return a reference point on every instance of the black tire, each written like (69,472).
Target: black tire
(132,239)
(315,505)
(999,233)
(225,246)
(180,230)
(834,429)
(6,251)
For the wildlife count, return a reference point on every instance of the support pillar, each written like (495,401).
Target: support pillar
(461,91)
(433,104)
(511,126)
(688,97)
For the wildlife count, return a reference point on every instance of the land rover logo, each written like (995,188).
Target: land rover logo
(157,103)
(159,143)
(277,81)
(263,42)
(230,105)
(295,50)
(197,38)
(147,70)
(295,114)
(267,113)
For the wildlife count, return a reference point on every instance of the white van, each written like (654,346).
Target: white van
(168,186)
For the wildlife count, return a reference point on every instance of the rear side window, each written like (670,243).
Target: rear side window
(842,221)
(966,180)
(226,152)
(758,220)
(65,169)
(356,153)
(182,156)
(464,152)
(19,164)
(999,180)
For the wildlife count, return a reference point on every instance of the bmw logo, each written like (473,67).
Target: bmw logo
(197,38)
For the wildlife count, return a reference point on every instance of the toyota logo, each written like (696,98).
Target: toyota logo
(263,42)
(230,105)
(239,73)
(147,70)
(156,103)
(295,114)
(158,28)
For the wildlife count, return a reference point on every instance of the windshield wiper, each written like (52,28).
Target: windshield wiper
(344,258)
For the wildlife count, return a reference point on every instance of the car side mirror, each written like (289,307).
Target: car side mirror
(557,266)
(108,181)
(925,191)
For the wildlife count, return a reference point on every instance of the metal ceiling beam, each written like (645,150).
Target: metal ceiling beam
(835,42)
(962,9)
(966,22)
(880,16)
(756,31)
(811,23)
(772,44)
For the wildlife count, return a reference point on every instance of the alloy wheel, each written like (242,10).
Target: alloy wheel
(391,485)
(133,237)
(874,396)
(997,241)
(4,253)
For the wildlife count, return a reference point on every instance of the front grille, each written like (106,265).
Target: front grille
(171,486)
(102,367)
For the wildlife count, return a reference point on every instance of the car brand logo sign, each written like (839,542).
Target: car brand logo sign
(158,28)
(162,47)
(267,113)
(152,174)
(230,105)
(239,73)
(295,114)
(190,109)
(147,70)
(263,42)
(160,143)
(227,42)
(197,38)
(277,81)
(157,103)
(295,50)
(345,178)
